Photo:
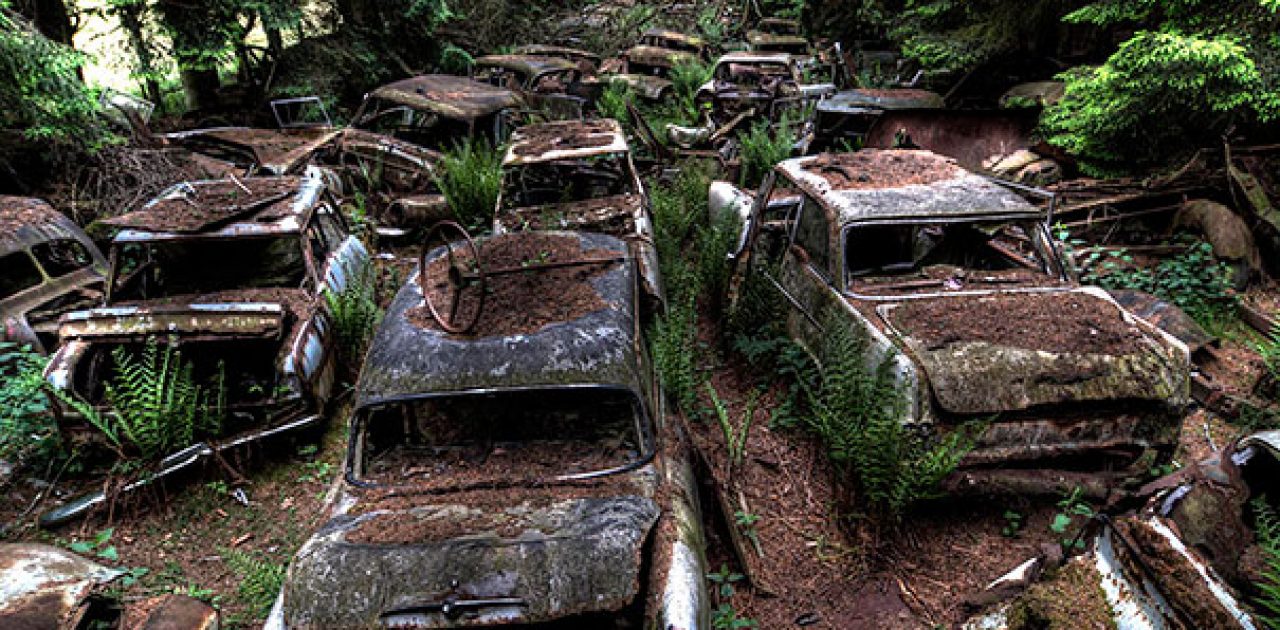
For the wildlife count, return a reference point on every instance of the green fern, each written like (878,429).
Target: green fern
(355,314)
(260,579)
(1267,528)
(470,179)
(857,412)
(156,406)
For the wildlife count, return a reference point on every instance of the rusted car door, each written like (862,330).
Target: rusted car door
(339,259)
(806,274)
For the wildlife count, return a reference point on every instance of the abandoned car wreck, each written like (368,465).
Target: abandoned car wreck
(578,176)
(230,274)
(956,281)
(520,472)
(49,267)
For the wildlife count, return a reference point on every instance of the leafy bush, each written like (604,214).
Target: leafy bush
(857,413)
(27,430)
(40,90)
(355,314)
(763,146)
(471,178)
(1191,70)
(1193,280)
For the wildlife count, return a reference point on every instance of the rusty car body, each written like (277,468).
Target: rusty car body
(45,587)
(48,267)
(847,117)
(924,260)
(552,86)
(646,67)
(587,61)
(762,83)
(579,176)
(232,273)
(438,110)
(521,477)
(1190,555)
(401,173)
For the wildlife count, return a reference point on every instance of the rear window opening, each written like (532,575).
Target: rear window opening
(62,256)
(904,251)
(510,437)
(146,271)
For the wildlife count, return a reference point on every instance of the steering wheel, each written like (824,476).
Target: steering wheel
(465,277)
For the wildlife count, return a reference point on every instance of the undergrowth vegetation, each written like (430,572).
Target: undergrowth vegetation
(470,180)
(1267,527)
(260,579)
(1193,280)
(156,405)
(27,431)
(355,314)
(764,145)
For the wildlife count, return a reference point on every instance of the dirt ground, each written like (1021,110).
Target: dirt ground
(179,539)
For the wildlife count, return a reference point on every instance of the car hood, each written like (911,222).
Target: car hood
(1012,351)
(449,564)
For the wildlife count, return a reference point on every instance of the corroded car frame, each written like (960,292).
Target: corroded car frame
(30,223)
(599,351)
(626,216)
(307,370)
(1030,428)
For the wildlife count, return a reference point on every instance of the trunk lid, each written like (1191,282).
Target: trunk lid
(450,564)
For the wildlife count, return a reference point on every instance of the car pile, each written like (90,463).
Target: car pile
(510,457)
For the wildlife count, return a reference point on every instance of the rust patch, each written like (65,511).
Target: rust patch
(1177,579)
(608,215)
(869,170)
(409,496)
(1090,325)
(524,301)
(540,139)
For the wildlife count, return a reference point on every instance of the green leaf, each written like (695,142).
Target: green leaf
(1060,523)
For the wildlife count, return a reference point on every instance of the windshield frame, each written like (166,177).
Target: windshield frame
(360,417)
(114,257)
(1042,241)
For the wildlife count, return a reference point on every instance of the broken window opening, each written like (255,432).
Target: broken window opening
(907,249)
(752,72)
(509,437)
(554,183)
(423,128)
(146,271)
(20,273)
(62,256)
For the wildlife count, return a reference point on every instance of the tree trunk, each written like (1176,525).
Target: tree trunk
(200,85)
(131,19)
(196,31)
(50,18)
